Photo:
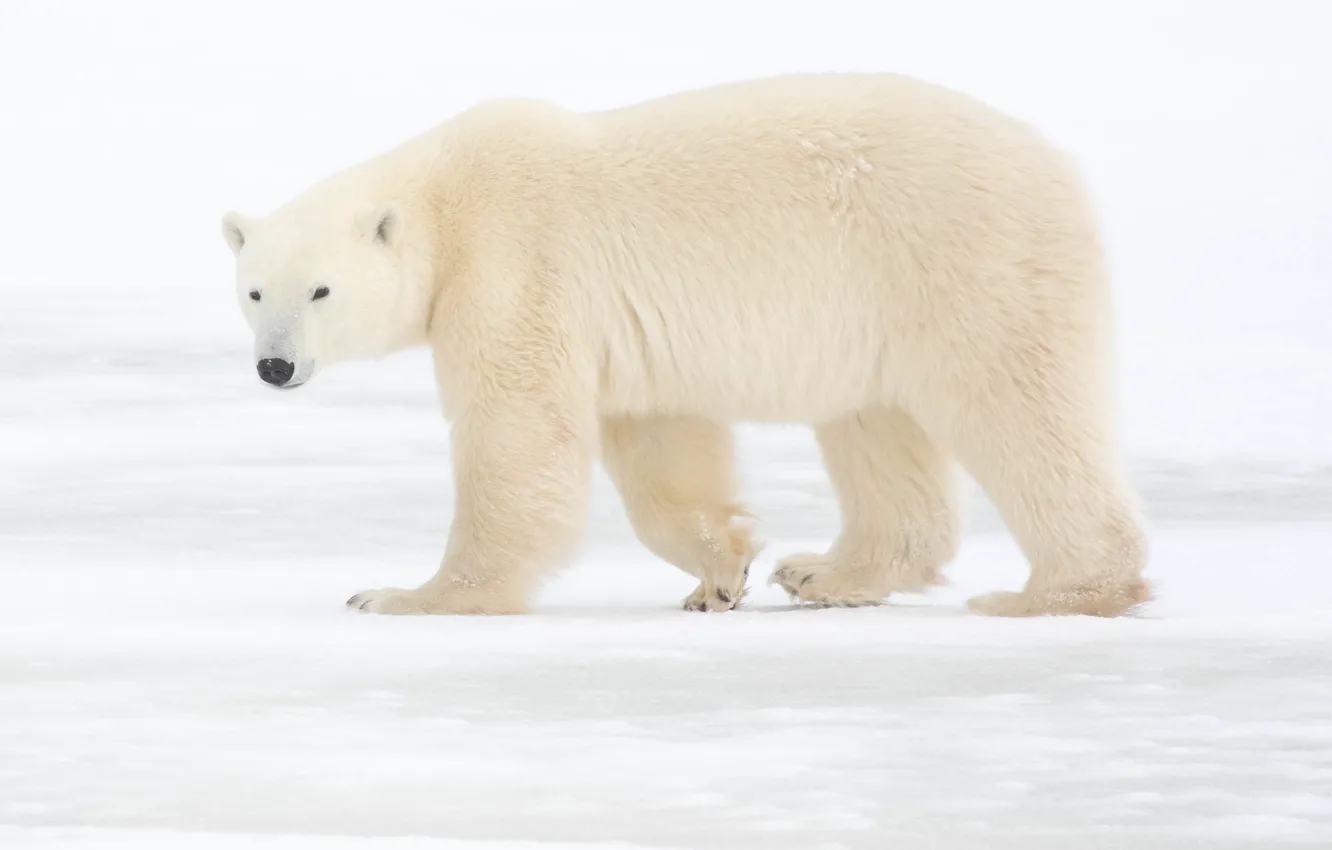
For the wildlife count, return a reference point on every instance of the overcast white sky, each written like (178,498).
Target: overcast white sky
(127,128)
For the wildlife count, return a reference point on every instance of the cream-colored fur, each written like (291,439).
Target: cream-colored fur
(913,274)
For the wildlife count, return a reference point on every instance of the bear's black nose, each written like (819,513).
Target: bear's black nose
(275,372)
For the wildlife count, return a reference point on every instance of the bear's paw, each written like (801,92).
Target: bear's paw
(820,581)
(1109,597)
(710,597)
(428,600)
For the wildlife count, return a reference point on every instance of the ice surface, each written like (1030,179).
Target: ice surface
(176,668)
(176,539)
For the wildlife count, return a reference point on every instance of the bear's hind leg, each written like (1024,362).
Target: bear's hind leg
(676,478)
(1037,439)
(900,517)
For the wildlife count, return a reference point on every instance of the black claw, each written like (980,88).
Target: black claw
(724,596)
(804,581)
(355,598)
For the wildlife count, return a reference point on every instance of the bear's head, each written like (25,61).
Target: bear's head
(322,280)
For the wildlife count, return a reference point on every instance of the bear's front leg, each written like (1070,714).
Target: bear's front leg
(521,470)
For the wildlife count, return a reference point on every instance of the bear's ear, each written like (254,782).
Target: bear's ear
(233,230)
(382,223)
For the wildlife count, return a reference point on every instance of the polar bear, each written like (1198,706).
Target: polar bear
(911,273)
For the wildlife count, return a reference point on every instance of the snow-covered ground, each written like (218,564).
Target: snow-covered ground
(175,661)
(220,693)
(176,540)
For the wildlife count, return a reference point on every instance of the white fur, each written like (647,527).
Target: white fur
(913,274)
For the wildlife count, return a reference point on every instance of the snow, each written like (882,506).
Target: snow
(176,540)
(219,693)
(177,669)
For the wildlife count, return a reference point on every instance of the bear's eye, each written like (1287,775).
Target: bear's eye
(254,295)
(320,292)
